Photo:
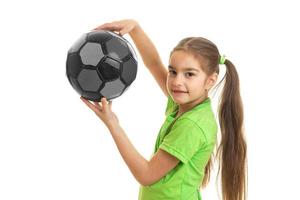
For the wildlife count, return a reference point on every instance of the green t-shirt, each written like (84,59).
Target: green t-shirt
(191,139)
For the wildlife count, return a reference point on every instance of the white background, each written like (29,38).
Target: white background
(53,147)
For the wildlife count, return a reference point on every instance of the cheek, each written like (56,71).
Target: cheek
(197,86)
(169,80)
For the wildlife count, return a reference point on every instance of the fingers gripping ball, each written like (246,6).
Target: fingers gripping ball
(101,64)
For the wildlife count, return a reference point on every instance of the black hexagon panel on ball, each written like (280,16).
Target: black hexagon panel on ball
(101,63)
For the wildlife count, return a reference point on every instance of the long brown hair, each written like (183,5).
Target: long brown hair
(232,150)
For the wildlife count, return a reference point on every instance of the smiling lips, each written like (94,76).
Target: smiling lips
(179,91)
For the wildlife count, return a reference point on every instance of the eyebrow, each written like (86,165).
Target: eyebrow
(185,69)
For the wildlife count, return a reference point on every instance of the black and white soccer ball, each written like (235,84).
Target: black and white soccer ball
(101,64)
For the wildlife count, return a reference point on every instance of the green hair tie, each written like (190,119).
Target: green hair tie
(222,60)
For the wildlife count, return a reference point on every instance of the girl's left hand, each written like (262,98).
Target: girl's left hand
(103,111)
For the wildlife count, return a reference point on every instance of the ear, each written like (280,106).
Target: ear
(211,80)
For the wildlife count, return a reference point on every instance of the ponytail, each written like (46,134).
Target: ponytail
(232,149)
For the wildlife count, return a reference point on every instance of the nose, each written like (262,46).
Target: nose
(178,80)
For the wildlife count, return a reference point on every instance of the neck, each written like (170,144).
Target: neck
(187,106)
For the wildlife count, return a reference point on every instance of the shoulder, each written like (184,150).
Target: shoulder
(205,120)
(188,130)
(187,124)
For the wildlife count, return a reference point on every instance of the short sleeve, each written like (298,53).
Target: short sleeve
(171,106)
(184,140)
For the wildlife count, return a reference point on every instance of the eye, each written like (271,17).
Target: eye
(190,74)
(172,72)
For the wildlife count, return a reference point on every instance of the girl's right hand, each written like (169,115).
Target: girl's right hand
(122,26)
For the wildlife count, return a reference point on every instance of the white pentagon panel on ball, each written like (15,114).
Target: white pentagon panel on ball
(76,46)
(117,48)
(91,53)
(113,88)
(89,80)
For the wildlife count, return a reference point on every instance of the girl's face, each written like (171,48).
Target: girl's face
(186,81)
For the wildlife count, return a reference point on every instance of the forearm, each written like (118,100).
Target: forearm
(137,164)
(145,46)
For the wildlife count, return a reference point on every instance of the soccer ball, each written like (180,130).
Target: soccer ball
(101,63)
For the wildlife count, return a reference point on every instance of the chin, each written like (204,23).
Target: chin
(180,99)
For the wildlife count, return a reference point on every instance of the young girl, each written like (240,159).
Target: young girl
(183,152)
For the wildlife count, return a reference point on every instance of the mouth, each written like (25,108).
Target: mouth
(179,91)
